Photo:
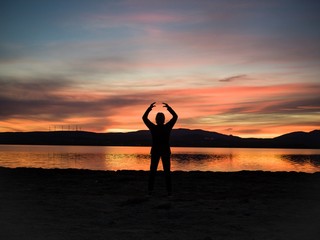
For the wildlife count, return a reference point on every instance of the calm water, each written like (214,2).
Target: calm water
(137,158)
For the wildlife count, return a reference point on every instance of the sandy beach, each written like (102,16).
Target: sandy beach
(82,204)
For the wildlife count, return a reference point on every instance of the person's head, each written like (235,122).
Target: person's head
(160,118)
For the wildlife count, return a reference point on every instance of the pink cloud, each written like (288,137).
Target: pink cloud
(242,108)
(134,18)
(260,107)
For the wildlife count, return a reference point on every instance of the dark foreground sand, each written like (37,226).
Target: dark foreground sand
(81,204)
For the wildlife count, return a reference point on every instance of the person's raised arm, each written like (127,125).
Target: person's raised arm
(146,114)
(173,113)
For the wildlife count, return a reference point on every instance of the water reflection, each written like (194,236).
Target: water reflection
(137,158)
(197,157)
(302,159)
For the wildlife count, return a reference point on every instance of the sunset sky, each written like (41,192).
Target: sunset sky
(244,67)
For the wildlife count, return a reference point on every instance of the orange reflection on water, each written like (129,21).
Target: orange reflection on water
(238,159)
(138,158)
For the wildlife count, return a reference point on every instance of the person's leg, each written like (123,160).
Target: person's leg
(153,169)
(167,172)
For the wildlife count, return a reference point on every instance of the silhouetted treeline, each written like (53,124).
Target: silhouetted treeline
(179,138)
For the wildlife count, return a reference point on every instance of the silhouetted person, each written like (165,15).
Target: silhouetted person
(160,144)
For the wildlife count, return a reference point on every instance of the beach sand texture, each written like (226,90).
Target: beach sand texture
(81,204)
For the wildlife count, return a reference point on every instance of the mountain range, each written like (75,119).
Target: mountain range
(179,138)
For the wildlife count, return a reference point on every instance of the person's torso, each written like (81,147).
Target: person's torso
(161,137)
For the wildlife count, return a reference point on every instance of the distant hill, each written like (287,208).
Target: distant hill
(179,137)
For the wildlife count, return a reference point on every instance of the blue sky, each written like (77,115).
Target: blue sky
(248,68)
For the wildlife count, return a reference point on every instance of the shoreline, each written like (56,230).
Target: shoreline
(71,170)
(89,204)
(172,146)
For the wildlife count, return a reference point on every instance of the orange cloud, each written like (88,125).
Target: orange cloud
(256,110)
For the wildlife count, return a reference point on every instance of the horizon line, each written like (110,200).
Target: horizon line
(198,129)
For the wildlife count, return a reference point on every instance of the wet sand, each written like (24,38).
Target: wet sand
(82,204)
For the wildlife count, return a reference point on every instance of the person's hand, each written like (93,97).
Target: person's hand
(166,105)
(152,105)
